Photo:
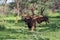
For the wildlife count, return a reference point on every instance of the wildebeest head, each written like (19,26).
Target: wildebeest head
(43,18)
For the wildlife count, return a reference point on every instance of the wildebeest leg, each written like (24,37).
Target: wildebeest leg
(34,27)
(47,22)
(29,26)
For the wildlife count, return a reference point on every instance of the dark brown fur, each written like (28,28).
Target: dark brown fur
(31,20)
(42,19)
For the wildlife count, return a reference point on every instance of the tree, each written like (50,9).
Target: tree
(3,15)
(17,7)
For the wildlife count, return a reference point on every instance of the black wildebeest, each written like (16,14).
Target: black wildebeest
(32,20)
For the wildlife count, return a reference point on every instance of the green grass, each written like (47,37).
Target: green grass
(10,18)
(53,15)
(19,31)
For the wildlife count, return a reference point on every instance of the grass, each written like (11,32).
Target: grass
(54,15)
(19,31)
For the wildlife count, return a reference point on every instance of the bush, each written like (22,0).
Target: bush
(2,27)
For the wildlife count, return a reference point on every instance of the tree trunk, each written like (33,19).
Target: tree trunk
(33,9)
(3,15)
(17,4)
(42,10)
